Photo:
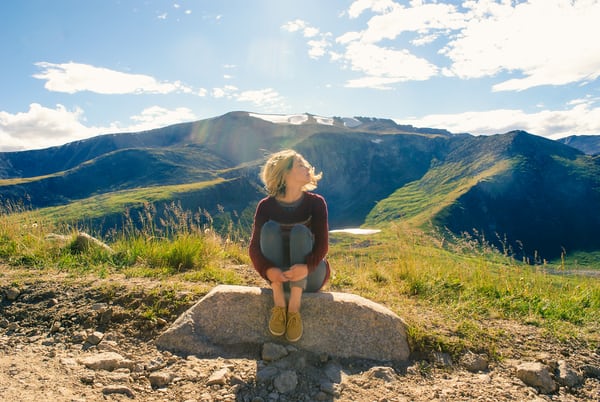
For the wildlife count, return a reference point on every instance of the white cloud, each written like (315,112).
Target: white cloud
(42,127)
(318,42)
(317,48)
(76,77)
(294,26)
(383,65)
(545,42)
(359,6)
(267,97)
(156,116)
(580,117)
(228,91)
(533,42)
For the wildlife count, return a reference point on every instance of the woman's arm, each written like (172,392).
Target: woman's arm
(320,229)
(259,261)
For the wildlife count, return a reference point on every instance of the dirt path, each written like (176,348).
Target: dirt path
(67,339)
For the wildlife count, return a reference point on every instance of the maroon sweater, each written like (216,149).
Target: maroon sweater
(311,212)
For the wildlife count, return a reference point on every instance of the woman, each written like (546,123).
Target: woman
(290,238)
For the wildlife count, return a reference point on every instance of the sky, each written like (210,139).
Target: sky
(74,69)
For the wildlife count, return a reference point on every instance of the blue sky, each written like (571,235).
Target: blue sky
(73,69)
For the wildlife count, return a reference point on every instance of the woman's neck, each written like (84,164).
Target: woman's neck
(291,195)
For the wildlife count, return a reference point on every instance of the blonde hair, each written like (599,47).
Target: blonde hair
(277,167)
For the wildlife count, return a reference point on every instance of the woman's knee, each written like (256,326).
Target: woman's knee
(301,237)
(270,231)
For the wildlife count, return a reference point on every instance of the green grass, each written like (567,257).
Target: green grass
(419,201)
(467,283)
(450,291)
(115,202)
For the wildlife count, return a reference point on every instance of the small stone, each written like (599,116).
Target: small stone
(12,293)
(536,375)
(13,327)
(55,327)
(99,306)
(286,381)
(160,379)
(103,361)
(442,359)
(566,376)
(327,387)
(79,337)
(266,374)
(273,351)
(118,389)
(219,377)
(591,371)
(87,379)
(474,363)
(95,338)
(386,374)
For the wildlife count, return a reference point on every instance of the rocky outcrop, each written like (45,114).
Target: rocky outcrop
(233,319)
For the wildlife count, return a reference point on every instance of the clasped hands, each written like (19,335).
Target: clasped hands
(295,273)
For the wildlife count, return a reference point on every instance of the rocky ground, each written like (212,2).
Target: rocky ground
(78,339)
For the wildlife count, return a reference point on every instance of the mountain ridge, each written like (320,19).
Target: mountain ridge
(513,186)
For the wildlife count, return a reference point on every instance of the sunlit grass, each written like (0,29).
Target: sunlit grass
(447,289)
(467,283)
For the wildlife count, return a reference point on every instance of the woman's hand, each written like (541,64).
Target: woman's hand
(275,275)
(296,272)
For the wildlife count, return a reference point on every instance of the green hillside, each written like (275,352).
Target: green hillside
(532,197)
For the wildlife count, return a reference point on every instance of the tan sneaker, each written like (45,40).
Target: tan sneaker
(277,321)
(294,327)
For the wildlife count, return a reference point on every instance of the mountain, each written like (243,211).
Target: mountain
(528,195)
(590,144)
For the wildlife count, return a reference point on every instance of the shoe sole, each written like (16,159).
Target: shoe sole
(293,340)
(276,333)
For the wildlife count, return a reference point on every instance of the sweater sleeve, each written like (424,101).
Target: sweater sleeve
(259,261)
(320,229)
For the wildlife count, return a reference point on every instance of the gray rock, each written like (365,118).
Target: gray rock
(333,372)
(566,376)
(536,375)
(386,374)
(286,381)
(103,361)
(327,387)
(83,242)
(219,377)
(118,389)
(272,351)
(94,338)
(12,293)
(160,379)
(442,359)
(591,371)
(266,374)
(474,362)
(369,330)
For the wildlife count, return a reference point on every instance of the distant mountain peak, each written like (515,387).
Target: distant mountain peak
(296,119)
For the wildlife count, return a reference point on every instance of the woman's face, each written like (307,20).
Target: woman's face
(299,174)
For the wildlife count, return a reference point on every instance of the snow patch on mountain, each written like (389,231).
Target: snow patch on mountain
(302,118)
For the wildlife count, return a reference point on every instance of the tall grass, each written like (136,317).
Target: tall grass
(152,244)
(449,290)
(465,283)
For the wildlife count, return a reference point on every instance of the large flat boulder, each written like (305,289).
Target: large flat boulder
(233,320)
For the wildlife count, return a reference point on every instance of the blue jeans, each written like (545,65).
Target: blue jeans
(283,253)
